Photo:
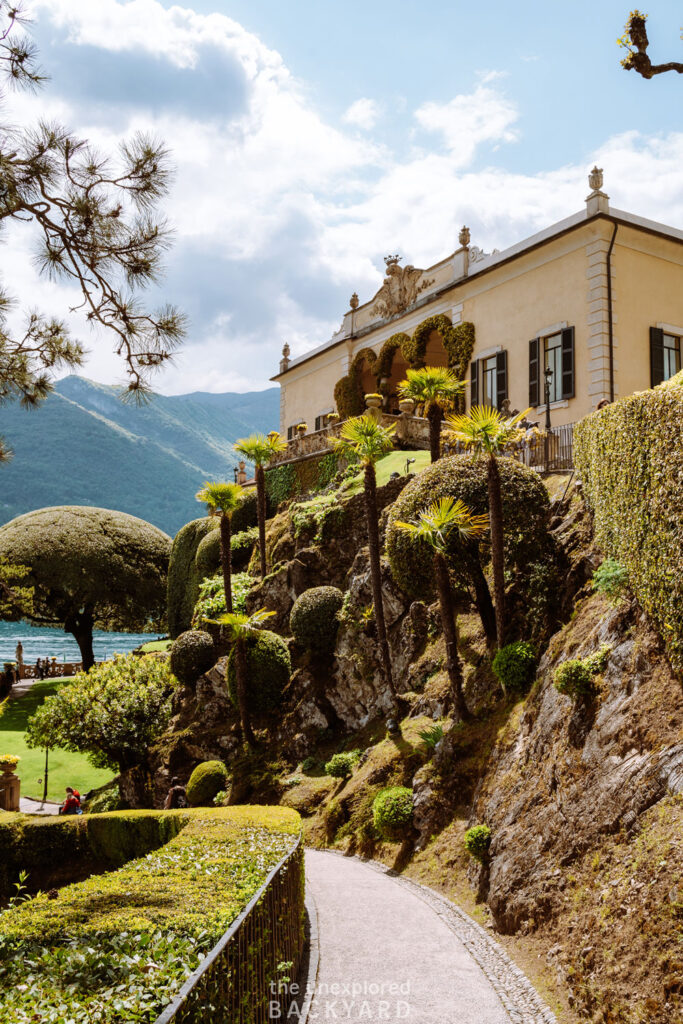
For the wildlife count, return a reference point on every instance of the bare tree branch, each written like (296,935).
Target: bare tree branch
(636,42)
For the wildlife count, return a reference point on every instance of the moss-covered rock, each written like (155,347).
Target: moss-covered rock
(313,619)
(269,667)
(192,654)
(525,516)
(206,780)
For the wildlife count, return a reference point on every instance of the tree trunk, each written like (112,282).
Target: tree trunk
(453,662)
(226,561)
(80,625)
(261,515)
(497,555)
(482,599)
(375,572)
(434,420)
(241,672)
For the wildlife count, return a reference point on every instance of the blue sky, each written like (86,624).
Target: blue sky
(311,138)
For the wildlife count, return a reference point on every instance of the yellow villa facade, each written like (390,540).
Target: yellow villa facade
(596,298)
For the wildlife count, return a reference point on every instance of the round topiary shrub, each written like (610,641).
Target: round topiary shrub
(208,557)
(340,766)
(206,780)
(268,670)
(525,516)
(392,812)
(313,619)
(242,546)
(244,517)
(477,842)
(515,665)
(192,654)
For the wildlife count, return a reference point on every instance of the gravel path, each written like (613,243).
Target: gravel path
(393,950)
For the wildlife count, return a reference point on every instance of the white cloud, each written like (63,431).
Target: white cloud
(468,120)
(273,197)
(364,113)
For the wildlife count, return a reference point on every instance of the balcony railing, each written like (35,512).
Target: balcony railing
(238,980)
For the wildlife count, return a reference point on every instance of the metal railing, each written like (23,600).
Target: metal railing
(237,983)
(551,452)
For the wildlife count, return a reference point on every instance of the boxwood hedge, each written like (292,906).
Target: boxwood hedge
(119,946)
(630,458)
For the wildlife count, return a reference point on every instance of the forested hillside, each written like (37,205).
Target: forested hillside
(83,446)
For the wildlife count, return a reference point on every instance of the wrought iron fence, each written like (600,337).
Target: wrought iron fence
(243,979)
(551,452)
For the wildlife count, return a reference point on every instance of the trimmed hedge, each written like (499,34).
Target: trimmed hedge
(392,811)
(630,458)
(313,619)
(269,667)
(184,575)
(192,654)
(525,517)
(119,946)
(207,779)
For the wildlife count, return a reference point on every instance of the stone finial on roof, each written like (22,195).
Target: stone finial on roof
(284,362)
(353,302)
(464,236)
(597,201)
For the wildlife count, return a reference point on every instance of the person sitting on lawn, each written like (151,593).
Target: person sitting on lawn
(72,804)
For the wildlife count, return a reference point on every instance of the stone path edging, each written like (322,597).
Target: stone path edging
(522,1002)
(309,974)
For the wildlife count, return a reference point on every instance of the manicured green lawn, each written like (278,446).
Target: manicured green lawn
(65,768)
(156,645)
(395,462)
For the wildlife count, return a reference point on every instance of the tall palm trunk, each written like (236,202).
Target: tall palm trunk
(434,420)
(497,555)
(261,515)
(375,572)
(80,625)
(241,671)
(482,599)
(226,560)
(453,663)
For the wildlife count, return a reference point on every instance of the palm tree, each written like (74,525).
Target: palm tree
(436,388)
(261,450)
(363,439)
(222,500)
(486,432)
(434,525)
(239,628)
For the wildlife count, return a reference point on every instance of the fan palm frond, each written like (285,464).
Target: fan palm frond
(486,430)
(364,439)
(259,449)
(435,523)
(221,499)
(432,385)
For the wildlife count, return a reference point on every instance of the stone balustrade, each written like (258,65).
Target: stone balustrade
(410,430)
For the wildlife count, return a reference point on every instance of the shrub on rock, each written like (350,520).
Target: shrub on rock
(392,812)
(184,575)
(340,766)
(269,667)
(313,619)
(192,654)
(477,842)
(515,665)
(206,780)
(525,515)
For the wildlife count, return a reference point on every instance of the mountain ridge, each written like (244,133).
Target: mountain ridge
(84,446)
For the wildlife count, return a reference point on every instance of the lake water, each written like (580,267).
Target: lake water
(42,642)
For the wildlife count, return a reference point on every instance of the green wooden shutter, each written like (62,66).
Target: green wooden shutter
(501,377)
(534,372)
(568,362)
(656,356)
(474,383)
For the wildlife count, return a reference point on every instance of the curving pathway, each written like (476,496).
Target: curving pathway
(392,950)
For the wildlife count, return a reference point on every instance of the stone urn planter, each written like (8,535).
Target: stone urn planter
(302,429)
(373,404)
(332,418)
(407,405)
(10,786)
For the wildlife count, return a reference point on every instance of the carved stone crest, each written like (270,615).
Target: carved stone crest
(400,288)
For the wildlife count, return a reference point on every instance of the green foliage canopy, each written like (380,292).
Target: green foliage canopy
(207,779)
(114,713)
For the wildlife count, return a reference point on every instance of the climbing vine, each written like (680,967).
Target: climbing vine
(458,341)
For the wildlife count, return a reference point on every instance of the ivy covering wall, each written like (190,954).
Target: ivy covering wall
(458,341)
(630,458)
(292,478)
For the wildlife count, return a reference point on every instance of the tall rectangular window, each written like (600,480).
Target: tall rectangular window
(489,383)
(552,359)
(672,355)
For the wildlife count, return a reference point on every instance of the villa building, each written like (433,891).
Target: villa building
(597,299)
